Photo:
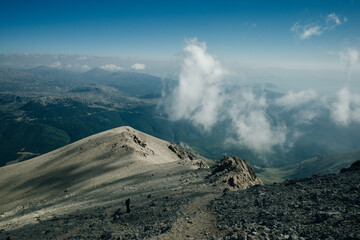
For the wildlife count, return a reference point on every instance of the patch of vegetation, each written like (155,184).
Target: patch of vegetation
(271,175)
(34,138)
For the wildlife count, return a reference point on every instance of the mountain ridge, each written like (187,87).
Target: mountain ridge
(117,163)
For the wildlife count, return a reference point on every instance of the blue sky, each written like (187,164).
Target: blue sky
(248,32)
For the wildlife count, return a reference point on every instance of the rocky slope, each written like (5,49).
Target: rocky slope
(320,207)
(85,184)
(80,192)
(116,163)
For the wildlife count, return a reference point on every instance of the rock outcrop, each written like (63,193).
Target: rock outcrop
(235,173)
(184,152)
(200,163)
(181,153)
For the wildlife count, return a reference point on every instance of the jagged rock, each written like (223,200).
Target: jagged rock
(354,167)
(140,142)
(184,152)
(236,173)
(180,152)
(128,148)
(200,164)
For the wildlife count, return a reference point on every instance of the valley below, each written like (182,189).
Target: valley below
(42,109)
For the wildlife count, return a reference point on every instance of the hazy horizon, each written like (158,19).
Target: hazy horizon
(293,44)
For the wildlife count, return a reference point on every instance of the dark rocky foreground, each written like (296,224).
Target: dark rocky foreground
(320,207)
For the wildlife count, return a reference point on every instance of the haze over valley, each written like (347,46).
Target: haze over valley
(203,108)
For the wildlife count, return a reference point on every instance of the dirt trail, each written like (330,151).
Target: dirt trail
(195,221)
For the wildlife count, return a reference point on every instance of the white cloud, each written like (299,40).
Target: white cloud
(309,31)
(56,65)
(198,97)
(346,108)
(204,98)
(291,99)
(334,20)
(316,29)
(251,124)
(111,67)
(138,66)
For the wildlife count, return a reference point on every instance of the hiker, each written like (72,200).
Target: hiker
(127,203)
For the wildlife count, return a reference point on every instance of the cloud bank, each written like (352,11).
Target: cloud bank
(317,28)
(204,98)
(249,118)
